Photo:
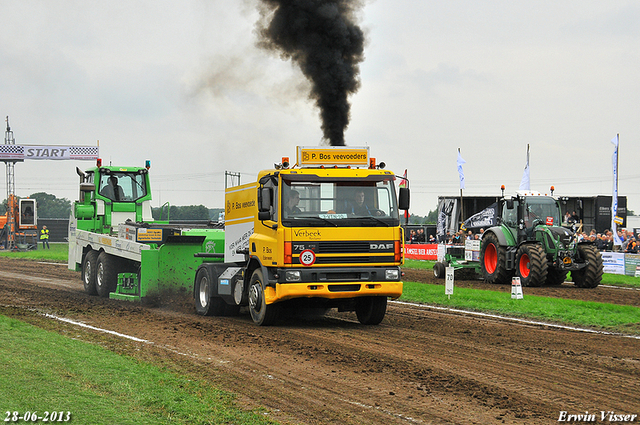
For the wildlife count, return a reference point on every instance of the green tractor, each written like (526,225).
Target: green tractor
(529,242)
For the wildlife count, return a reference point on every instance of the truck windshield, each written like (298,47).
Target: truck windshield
(326,202)
(122,186)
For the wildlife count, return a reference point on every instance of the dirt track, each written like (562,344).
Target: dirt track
(417,367)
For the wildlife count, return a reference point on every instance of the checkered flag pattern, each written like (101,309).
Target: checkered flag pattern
(84,152)
(11,152)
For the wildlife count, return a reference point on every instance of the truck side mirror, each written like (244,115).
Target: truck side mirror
(403,201)
(509,204)
(264,199)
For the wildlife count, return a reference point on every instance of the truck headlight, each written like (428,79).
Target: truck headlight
(292,276)
(391,274)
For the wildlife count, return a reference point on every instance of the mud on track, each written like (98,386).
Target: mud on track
(417,367)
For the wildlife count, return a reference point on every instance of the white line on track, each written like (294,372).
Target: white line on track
(619,287)
(514,319)
(93,328)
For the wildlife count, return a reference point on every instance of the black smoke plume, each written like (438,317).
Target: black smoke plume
(321,36)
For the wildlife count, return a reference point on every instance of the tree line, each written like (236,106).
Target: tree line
(50,206)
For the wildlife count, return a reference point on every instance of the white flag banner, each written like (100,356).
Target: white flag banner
(460,171)
(614,198)
(525,183)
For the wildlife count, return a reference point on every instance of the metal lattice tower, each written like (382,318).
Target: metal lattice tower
(11,187)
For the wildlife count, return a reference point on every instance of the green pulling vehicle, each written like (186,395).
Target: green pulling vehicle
(121,250)
(529,242)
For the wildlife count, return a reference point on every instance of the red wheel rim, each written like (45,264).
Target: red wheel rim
(491,259)
(524,265)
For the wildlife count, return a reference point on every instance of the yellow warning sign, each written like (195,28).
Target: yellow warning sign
(149,235)
(333,155)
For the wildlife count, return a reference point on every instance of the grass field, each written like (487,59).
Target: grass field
(53,373)
(603,316)
(58,253)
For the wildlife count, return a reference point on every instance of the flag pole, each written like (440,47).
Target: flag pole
(461,209)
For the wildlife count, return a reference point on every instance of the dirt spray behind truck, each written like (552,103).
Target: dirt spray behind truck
(324,233)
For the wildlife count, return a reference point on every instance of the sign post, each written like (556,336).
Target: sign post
(516,289)
(448,287)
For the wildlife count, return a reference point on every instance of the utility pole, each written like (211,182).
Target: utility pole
(11,190)
(230,177)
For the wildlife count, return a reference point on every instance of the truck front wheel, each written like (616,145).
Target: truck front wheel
(106,274)
(531,265)
(263,314)
(371,310)
(89,272)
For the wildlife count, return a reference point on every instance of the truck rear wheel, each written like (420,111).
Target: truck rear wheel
(493,260)
(590,276)
(439,269)
(263,314)
(207,305)
(531,265)
(106,274)
(371,310)
(89,272)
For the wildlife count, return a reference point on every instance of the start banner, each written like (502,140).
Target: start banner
(22,152)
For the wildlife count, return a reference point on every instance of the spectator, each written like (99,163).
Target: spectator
(421,236)
(458,239)
(632,246)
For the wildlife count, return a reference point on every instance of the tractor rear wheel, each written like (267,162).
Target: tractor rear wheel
(371,310)
(531,265)
(107,269)
(263,314)
(493,260)
(590,276)
(89,272)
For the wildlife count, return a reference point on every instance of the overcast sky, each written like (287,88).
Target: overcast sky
(181,83)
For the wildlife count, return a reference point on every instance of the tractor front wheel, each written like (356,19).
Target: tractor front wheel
(531,265)
(493,260)
(590,276)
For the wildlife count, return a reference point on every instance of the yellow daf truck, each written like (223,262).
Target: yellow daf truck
(323,233)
